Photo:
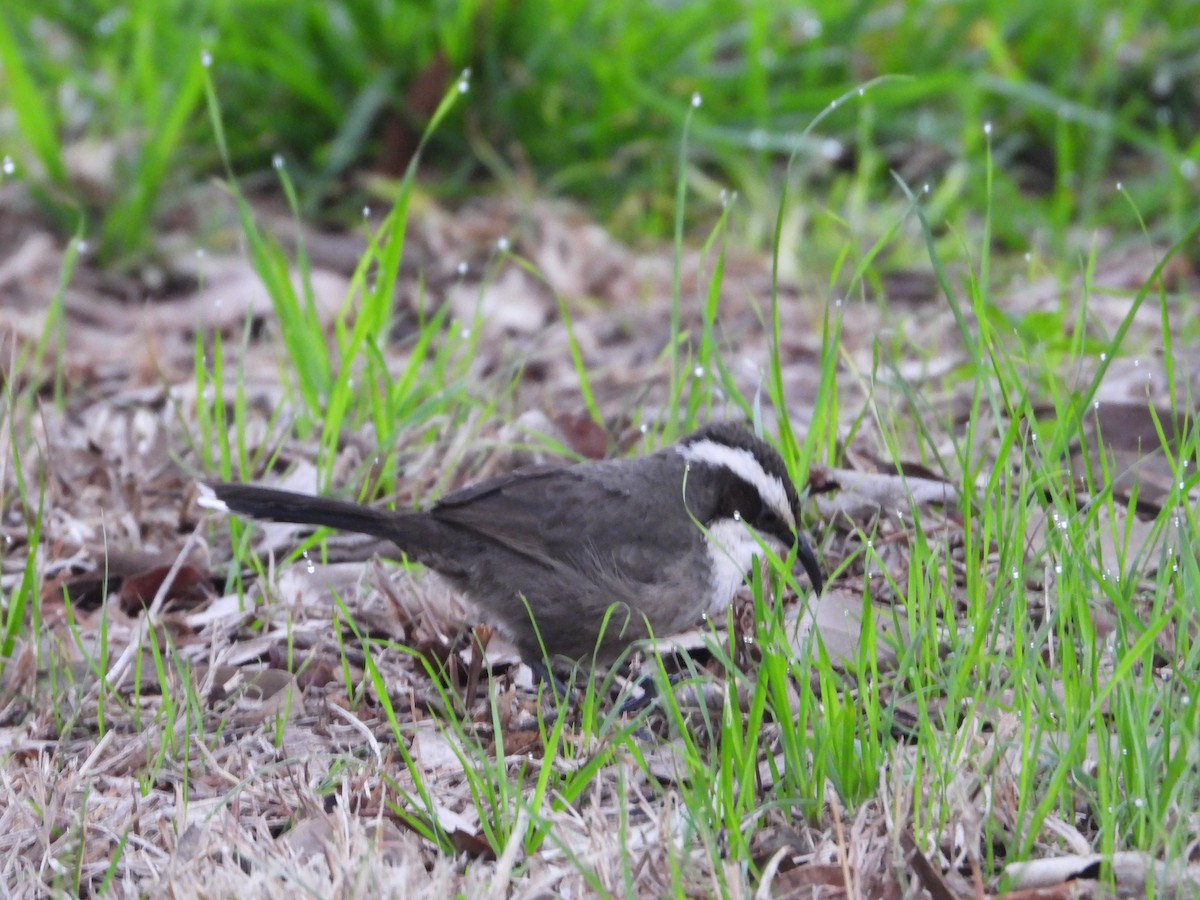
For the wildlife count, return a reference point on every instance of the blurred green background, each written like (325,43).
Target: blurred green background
(588,100)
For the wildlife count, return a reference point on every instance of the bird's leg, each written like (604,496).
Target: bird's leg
(541,672)
(649,695)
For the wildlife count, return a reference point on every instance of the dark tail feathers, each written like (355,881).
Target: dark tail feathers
(303,509)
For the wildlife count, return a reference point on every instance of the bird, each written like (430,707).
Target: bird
(578,561)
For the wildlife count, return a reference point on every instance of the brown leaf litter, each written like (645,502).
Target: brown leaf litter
(227,741)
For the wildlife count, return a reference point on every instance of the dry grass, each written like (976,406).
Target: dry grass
(216,742)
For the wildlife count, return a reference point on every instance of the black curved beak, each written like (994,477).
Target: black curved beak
(804,551)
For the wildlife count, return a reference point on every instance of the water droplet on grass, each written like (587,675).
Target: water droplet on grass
(106,25)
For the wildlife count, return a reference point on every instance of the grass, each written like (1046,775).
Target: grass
(590,92)
(1022,668)
(1065,684)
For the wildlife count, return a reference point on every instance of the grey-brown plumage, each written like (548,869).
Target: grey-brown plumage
(662,537)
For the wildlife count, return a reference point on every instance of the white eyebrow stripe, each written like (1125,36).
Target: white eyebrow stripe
(745,465)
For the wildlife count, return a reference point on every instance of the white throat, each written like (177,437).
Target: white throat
(731,551)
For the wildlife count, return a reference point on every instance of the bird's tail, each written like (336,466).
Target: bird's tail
(302,509)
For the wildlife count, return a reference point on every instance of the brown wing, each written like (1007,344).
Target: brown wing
(593,517)
(505,509)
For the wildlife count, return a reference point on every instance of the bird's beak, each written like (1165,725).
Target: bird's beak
(809,559)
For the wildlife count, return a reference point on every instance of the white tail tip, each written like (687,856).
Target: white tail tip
(209,500)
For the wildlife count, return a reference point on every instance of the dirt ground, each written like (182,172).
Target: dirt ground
(256,773)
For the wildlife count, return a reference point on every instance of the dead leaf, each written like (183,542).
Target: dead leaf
(836,616)
(189,589)
(862,495)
